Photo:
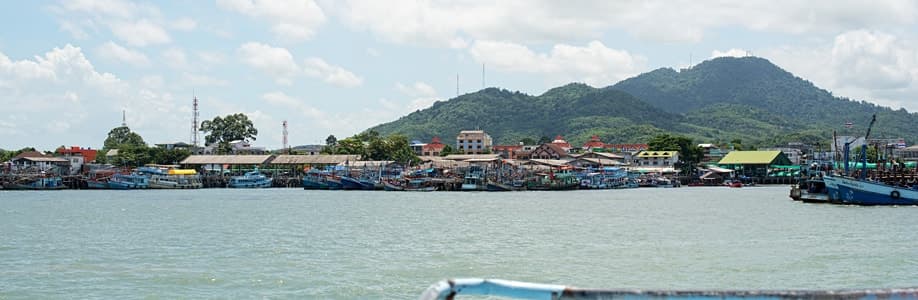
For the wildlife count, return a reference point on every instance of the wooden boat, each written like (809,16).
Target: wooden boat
(36,183)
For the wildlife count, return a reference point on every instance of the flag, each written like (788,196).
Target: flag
(849,124)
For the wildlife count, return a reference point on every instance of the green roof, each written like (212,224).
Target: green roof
(754,158)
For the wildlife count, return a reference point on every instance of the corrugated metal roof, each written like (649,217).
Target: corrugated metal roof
(749,157)
(45,159)
(366,163)
(226,160)
(324,159)
(549,162)
(472,156)
(602,161)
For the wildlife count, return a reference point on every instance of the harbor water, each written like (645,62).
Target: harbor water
(291,243)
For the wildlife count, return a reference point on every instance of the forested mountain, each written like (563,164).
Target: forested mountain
(718,100)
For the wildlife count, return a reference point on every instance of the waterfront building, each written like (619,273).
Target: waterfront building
(417,147)
(36,161)
(632,148)
(507,151)
(434,148)
(656,159)
(908,153)
(78,157)
(754,163)
(795,155)
(711,153)
(473,142)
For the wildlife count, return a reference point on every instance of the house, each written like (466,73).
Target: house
(507,151)
(34,160)
(417,147)
(473,142)
(434,148)
(753,163)
(711,153)
(560,142)
(593,144)
(656,159)
(78,157)
(548,151)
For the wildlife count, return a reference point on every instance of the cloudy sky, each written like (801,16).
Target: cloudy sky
(68,69)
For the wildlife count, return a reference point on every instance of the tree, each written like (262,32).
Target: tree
(120,136)
(689,153)
(447,150)
(330,142)
(221,131)
(544,140)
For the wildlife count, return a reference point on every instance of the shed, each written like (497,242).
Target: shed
(226,160)
(753,163)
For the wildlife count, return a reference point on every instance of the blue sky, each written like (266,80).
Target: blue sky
(69,68)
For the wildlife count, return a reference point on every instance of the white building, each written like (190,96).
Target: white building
(473,142)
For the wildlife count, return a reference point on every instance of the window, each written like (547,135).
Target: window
(479,141)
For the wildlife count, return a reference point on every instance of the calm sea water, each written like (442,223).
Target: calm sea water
(291,243)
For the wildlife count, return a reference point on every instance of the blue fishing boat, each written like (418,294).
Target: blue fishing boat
(351,183)
(846,189)
(44,182)
(128,181)
(253,179)
(320,180)
(449,289)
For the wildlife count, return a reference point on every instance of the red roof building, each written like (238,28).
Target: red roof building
(593,143)
(88,154)
(434,148)
(560,142)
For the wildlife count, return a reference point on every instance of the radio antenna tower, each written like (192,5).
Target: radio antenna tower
(285,138)
(194,119)
(123,118)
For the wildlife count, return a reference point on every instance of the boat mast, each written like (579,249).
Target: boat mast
(864,148)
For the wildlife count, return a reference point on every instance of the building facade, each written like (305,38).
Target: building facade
(660,159)
(434,148)
(473,142)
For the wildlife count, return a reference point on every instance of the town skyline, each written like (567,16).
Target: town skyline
(69,68)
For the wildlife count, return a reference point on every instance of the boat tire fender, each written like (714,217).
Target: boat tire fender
(894,194)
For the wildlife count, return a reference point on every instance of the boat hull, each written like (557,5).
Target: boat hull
(845,190)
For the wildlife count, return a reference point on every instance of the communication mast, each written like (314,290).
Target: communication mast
(123,118)
(194,120)
(285,137)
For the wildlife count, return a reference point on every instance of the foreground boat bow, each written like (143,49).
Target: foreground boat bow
(448,289)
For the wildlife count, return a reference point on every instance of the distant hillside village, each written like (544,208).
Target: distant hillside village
(713,163)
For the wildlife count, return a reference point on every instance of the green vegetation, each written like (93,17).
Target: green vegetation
(133,151)
(372,146)
(717,101)
(6,155)
(221,131)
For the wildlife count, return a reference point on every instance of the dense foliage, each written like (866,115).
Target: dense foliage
(122,136)
(221,131)
(372,146)
(717,101)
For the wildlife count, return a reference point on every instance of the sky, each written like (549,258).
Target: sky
(69,69)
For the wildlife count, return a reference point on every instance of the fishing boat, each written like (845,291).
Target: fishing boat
(420,185)
(858,190)
(498,187)
(128,181)
(392,185)
(172,178)
(252,179)
(320,180)
(449,289)
(351,183)
(554,182)
(44,182)
(473,182)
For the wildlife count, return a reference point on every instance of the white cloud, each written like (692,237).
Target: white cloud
(373,52)
(211,58)
(175,58)
(115,52)
(733,52)
(65,91)
(450,24)
(274,61)
(290,20)
(184,24)
(203,80)
(594,64)
(422,94)
(336,75)
(863,65)
(140,33)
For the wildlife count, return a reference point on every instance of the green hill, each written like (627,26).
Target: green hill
(716,101)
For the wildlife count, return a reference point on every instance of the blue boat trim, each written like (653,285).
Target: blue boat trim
(448,289)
